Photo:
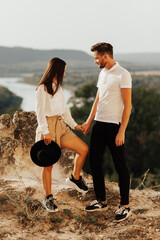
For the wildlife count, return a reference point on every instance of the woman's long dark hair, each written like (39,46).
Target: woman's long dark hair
(55,68)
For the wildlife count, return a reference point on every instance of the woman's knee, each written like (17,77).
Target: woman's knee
(84,150)
(81,149)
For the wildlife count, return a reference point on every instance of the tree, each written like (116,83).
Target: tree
(142,134)
(9,103)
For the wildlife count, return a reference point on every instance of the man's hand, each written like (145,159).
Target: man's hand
(126,96)
(47,138)
(120,139)
(79,128)
(86,127)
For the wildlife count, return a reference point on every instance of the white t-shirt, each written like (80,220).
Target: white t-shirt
(46,105)
(110,106)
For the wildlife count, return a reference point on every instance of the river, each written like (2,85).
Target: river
(26,91)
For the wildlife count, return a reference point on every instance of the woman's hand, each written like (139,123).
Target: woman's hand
(86,126)
(47,138)
(79,128)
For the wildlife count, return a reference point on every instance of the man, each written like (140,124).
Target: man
(111,111)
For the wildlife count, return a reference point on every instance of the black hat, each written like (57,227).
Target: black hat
(45,155)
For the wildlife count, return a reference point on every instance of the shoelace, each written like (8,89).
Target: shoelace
(51,200)
(51,203)
(83,181)
(120,210)
(94,202)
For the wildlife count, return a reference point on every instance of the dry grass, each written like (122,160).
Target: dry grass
(31,221)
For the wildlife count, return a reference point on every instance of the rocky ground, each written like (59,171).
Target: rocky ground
(22,216)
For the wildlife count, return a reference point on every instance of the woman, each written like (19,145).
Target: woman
(53,118)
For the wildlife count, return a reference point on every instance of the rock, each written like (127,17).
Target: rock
(7,149)
(16,139)
(25,127)
(67,159)
(6,126)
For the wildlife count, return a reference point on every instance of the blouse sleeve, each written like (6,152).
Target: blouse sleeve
(40,109)
(67,115)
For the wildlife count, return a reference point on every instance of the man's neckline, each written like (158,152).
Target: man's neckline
(113,67)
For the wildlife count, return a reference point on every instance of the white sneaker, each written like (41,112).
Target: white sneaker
(49,205)
(96,206)
(122,213)
(79,185)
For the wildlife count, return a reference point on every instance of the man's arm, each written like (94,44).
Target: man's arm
(126,96)
(87,124)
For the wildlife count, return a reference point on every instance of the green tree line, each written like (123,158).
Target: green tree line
(142,134)
(9,103)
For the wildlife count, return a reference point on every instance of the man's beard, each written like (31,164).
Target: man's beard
(102,65)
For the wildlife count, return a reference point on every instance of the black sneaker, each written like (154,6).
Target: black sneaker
(96,206)
(79,185)
(48,203)
(122,213)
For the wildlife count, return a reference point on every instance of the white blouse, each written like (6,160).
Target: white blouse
(49,106)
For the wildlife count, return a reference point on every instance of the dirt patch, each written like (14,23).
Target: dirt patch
(23,216)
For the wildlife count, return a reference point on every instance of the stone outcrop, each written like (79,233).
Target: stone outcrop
(21,128)
(6,126)
(16,139)
(21,194)
(25,124)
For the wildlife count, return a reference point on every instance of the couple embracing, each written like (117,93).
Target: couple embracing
(111,111)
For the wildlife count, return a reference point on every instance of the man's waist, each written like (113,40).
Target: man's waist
(108,119)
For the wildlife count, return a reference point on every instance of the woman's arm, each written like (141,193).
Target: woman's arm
(40,110)
(67,114)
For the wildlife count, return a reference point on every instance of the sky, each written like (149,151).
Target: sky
(131,26)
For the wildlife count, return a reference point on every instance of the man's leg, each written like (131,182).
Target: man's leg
(97,148)
(118,155)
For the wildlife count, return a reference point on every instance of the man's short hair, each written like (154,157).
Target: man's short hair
(103,48)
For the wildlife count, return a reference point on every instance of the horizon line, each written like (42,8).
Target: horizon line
(69,49)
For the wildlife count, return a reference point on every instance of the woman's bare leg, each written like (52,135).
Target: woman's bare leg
(46,179)
(81,149)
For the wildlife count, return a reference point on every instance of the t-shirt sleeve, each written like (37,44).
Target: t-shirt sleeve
(126,80)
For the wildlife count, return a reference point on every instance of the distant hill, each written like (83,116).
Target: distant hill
(17,60)
(19,55)
(153,58)
(139,61)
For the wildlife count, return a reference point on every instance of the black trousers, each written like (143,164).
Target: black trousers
(104,134)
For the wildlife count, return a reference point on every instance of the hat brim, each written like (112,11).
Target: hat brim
(52,150)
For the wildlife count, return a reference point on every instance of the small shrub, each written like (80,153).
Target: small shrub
(67,212)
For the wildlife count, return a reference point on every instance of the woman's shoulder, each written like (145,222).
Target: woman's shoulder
(40,89)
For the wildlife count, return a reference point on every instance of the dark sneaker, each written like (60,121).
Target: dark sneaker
(48,203)
(96,206)
(122,213)
(79,185)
